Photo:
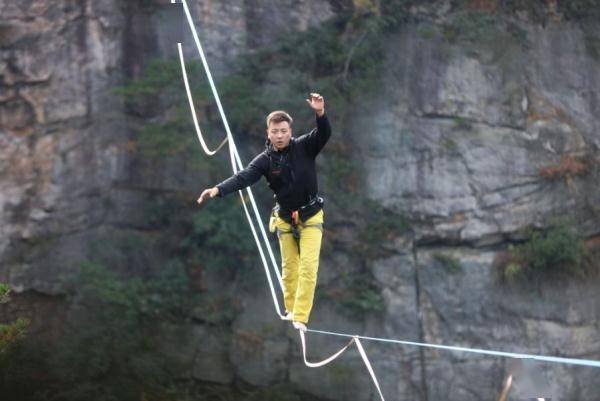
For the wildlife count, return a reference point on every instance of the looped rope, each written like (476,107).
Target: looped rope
(324,361)
(236,163)
(193,109)
(361,351)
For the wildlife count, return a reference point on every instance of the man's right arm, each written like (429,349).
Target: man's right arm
(242,179)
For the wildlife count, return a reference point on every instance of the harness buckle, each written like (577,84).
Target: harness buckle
(295,222)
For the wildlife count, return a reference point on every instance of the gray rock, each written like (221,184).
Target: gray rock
(259,348)
(198,351)
(470,308)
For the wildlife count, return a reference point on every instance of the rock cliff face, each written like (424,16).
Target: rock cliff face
(471,142)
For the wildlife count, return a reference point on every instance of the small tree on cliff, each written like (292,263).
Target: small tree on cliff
(12,332)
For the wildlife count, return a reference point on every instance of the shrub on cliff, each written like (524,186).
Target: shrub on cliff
(112,351)
(558,250)
(12,332)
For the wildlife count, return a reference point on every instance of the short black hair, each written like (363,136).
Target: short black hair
(279,116)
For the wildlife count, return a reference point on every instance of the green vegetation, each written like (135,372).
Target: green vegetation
(215,236)
(358,293)
(462,124)
(383,227)
(4,292)
(219,237)
(168,129)
(560,247)
(343,175)
(514,272)
(11,339)
(156,82)
(362,296)
(580,9)
(112,353)
(427,31)
(538,12)
(472,26)
(120,304)
(491,37)
(449,145)
(557,250)
(448,262)
(355,294)
(13,332)
(342,58)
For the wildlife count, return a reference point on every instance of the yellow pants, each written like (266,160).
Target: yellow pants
(300,263)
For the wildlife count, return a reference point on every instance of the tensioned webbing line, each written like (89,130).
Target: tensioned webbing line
(541,358)
(237,165)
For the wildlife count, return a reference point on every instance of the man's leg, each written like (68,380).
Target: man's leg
(311,233)
(290,260)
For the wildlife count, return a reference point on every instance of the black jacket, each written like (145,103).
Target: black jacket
(290,172)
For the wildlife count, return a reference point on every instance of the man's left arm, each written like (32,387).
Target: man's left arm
(319,136)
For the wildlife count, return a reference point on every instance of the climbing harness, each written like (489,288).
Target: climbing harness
(237,165)
(296,218)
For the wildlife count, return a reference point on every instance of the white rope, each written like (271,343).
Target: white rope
(331,358)
(262,257)
(193,109)
(324,361)
(235,169)
(363,354)
(541,358)
(232,145)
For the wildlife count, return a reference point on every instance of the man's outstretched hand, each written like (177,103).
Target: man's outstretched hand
(317,103)
(208,193)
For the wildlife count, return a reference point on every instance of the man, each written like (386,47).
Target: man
(288,164)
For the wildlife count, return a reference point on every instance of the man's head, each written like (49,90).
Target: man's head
(279,129)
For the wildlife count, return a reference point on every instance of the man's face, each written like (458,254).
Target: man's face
(279,134)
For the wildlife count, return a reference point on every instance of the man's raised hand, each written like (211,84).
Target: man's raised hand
(208,193)
(317,103)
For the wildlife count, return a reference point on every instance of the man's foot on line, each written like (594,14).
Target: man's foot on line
(300,326)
